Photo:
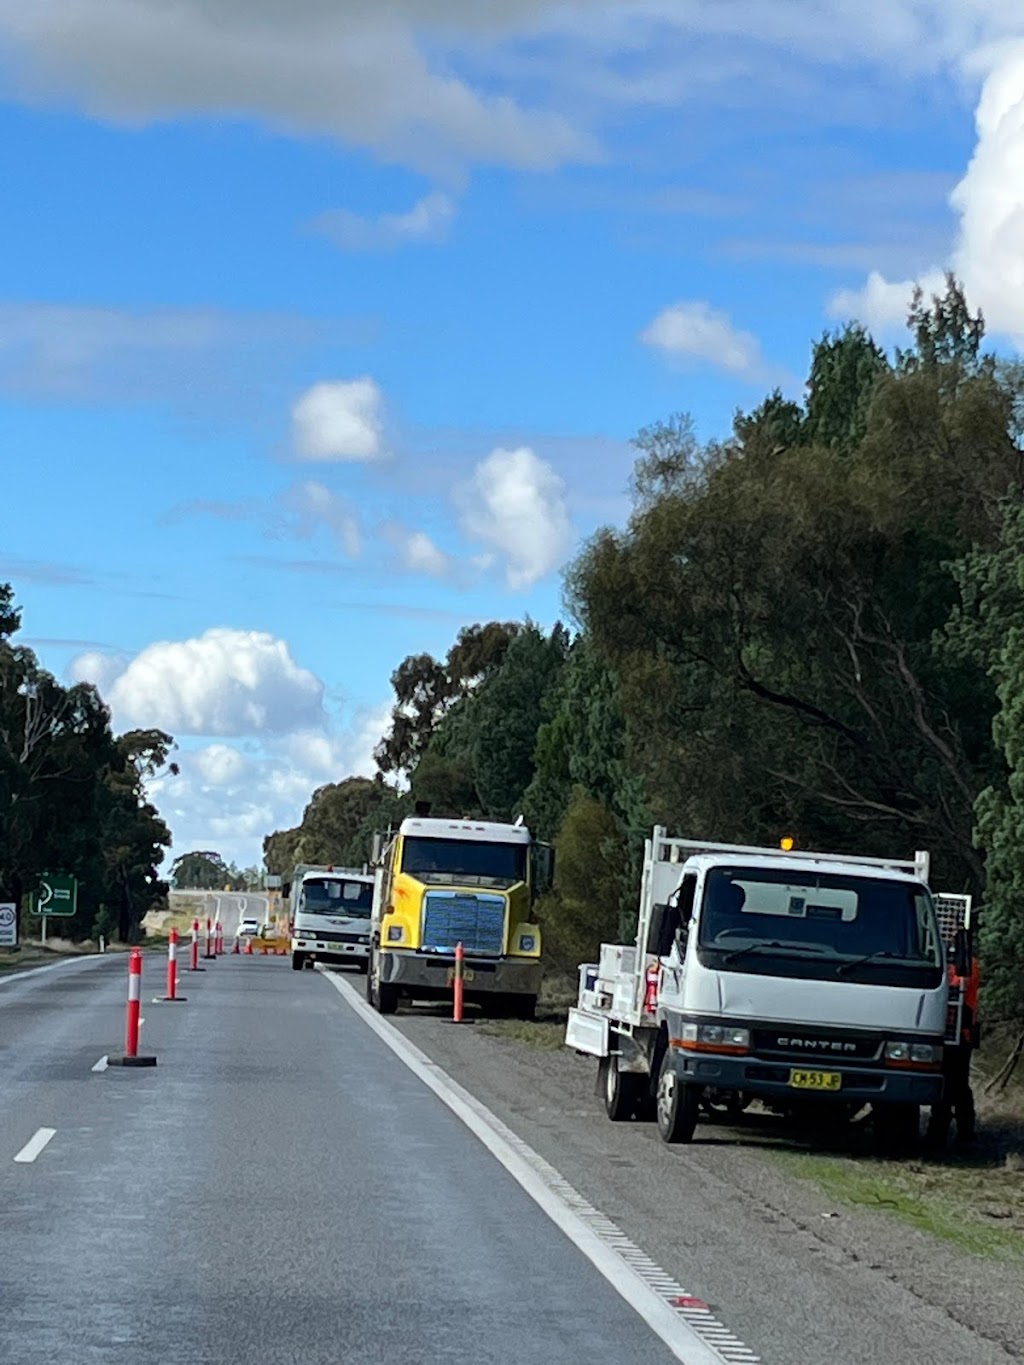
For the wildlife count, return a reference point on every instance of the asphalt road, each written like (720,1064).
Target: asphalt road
(230,907)
(279,1188)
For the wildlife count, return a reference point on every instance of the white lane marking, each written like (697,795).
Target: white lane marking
(35,1145)
(101,1065)
(66,964)
(678,1318)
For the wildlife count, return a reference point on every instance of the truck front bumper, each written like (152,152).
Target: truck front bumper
(324,950)
(773,1081)
(432,974)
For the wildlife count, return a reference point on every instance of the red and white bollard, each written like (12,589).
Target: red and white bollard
(172,995)
(218,939)
(131,1057)
(193,964)
(209,953)
(457,983)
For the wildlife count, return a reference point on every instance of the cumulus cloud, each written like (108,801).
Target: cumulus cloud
(359,72)
(515,507)
(227,799)
(428,221)
(339,420)
(694,331)
(988,255)
(223,683)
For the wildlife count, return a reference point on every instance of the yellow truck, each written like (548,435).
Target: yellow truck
(440,882)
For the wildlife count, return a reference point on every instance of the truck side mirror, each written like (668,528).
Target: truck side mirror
(543,859)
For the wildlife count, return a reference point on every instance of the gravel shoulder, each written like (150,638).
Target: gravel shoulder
(746,1217)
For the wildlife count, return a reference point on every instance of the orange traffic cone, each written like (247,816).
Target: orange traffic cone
(236,948)
(248,947)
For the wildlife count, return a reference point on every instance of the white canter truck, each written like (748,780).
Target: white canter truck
(793,978)
(329,914)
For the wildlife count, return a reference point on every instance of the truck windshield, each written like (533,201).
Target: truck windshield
(334,896)
(465,861)
(816,924)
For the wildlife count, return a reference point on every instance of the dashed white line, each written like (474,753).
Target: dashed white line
(101,1065)
(35,1145)
(684,1323)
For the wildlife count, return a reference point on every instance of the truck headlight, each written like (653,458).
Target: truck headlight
(527,943)
(913,1054)
(395,933)
(714,1038)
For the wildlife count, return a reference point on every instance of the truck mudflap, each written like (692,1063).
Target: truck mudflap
(587,1032)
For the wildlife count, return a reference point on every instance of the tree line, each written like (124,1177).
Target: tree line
(813,626)
(72,795)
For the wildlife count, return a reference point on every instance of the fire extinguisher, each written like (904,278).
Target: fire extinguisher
(651,988)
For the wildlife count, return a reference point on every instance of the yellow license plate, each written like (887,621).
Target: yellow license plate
(815,1080)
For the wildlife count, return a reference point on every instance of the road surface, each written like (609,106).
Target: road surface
(282,1187)
(279,1188)
(230,907)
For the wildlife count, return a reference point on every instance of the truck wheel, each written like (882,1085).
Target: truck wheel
(387,998)
(298,962)
(623,1092)
(525,1007)
(678,1105)
(897,1128)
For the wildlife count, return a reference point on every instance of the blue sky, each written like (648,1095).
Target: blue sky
(325,326)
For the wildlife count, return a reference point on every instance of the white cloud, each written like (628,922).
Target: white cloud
(427,221)
(220,765)
(416,552)
(228,800)
(358,71)
(421,555)
(224,683)
(515,505)
(340,420)
(988,255)
(694,331)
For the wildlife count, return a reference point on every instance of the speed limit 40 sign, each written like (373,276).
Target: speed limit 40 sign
(8,926)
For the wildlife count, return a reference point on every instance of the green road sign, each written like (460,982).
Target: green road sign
(57,895)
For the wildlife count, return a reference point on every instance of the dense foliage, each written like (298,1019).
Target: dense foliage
(72,795)
(813,627)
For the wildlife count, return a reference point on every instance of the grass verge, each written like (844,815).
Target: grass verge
(545,1035)
(979,1209)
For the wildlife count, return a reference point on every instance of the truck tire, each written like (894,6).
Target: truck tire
(387,998)
(298,961)
(897,1128)
(623,1092)
(382,995)
(678,1105)
(524,1007)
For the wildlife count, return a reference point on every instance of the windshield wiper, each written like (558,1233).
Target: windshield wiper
(774,946)
(845,967)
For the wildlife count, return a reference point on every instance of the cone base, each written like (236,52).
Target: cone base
(125,1060)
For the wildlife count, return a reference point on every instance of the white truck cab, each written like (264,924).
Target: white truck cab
(793,978)
(330,916)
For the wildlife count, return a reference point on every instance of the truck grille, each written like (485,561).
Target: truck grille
(475,921)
